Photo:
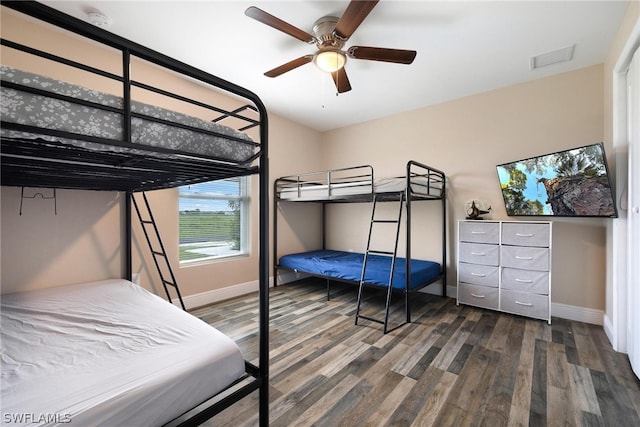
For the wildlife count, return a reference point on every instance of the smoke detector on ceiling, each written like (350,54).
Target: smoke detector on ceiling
(99,19)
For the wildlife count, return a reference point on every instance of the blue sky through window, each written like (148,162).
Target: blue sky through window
(209,196)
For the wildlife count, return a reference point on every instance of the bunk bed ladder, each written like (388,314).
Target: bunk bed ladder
(157,250)
(392,254)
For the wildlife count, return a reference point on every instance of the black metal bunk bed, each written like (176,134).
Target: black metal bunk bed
(33,156)
(358,185)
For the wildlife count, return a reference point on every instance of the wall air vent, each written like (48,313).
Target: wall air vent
(553,57)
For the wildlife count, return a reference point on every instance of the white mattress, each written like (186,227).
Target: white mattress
(107,353)
(419,185)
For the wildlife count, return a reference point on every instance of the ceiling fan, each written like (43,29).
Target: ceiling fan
(330,35)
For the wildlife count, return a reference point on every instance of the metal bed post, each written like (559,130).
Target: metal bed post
(126,95)
(324,226)
(444,238)
(128,273)
(263,391)
(324,243)
(407,301)
(275,233)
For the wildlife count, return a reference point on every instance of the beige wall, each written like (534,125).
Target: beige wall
(84,241)
(467,138)
(41,249)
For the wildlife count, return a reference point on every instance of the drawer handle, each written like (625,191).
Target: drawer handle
(477,296)
(526,258)
(524,234)
(478,232)
(478,253)
(524,280)
(526,304)
(478,274)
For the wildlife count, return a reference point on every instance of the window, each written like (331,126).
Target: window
(213,219)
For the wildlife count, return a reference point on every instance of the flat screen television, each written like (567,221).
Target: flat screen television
(569,183)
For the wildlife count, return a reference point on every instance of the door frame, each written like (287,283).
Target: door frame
(616,326)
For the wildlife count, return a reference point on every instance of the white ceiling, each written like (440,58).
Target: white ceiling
(464,47)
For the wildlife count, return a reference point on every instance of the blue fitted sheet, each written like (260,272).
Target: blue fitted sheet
(348,266)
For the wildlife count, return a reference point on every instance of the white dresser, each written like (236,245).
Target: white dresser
(506,266)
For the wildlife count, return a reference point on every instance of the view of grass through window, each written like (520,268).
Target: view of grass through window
(211,219)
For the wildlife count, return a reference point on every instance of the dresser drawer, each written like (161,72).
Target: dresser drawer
(531,305)
(477,274)
(479,232)
(477,253)
(525,258)
(481,296)
(525,234)
(531,281)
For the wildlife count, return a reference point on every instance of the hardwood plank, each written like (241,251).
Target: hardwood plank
(460,359)
(521,400)
(425,361)
(617,364)
(452,366)
(415,403)
(451,348)
(435,401)
(471,390)
(483,329)
(407,361)
(368,404)
(337,413)
(385,410)
(614,403)
(312,408)
(591,420)
(583,392)
(538,406)
(561,408)
(589,354)
(500,399)
(498,338)
(557,375)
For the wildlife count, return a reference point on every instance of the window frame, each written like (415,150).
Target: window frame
(244,196)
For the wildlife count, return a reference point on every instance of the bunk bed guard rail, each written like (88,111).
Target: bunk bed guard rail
(324,184)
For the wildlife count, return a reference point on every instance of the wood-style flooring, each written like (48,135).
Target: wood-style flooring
(452,366)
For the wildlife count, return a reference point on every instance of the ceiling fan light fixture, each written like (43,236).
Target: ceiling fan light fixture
(330,60)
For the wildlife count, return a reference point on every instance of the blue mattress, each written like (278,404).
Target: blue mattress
(348,266)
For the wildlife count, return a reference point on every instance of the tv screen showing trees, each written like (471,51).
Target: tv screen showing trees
(568,183)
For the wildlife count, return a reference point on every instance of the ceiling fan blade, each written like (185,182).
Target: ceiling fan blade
(398,56)
(353,16)
(277,23)
(289,66)
(341,80)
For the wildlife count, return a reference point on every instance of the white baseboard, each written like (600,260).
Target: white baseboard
(217,295)
(608,331)
(564,311)
(579,314)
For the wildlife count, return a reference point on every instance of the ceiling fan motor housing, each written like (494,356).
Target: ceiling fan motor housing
(324,35)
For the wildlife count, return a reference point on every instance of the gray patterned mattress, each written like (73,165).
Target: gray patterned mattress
(22,107)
